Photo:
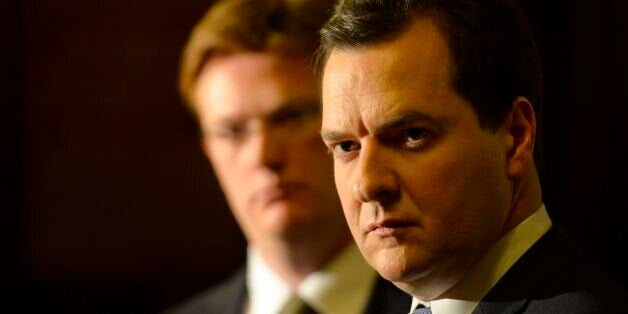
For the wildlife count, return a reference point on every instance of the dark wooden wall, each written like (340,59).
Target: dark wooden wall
(584,45)
(117,209)
(109,207)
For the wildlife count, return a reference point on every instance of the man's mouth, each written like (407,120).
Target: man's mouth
(388,227)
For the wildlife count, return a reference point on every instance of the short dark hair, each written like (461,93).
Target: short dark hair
(494,54)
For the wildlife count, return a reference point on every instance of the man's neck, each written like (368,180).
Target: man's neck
(294,258)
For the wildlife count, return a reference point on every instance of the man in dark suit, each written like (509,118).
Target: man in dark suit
(429,108)
(247,77)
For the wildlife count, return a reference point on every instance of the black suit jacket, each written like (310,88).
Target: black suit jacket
(230,296)
(553,276)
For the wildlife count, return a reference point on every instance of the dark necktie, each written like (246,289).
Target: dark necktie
(306,309)
(421,309)
(296,305)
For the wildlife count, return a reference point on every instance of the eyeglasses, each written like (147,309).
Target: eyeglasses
(290,122)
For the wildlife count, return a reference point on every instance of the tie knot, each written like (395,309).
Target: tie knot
(422,309)
(296,305)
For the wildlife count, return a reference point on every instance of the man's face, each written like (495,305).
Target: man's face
(260,115)
(423,188)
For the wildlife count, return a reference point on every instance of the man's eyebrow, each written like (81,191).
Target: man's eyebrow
(402,120)
(395,122)
(331,136)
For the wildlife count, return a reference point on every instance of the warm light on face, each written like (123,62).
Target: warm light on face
(422,186)
(260,115)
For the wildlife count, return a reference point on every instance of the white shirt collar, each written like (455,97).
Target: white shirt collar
(479,281)
(267,293)
(343,286)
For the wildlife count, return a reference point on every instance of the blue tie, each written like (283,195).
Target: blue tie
(421,309)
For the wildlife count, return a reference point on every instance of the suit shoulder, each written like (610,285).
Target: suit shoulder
(554,276)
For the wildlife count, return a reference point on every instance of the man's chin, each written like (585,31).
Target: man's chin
(393,265)
(390,271)
(283,220)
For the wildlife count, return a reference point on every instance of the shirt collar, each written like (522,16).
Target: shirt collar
(342,286)
(267,293)
(504,253)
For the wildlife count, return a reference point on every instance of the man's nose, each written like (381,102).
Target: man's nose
(268,148)
(374,178)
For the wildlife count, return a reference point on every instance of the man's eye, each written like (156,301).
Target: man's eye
(230,132)
(414,138)
(343,148)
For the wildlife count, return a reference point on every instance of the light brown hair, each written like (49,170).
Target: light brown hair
(230,26)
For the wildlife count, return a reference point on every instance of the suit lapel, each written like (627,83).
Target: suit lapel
(529,274)
(237,303)
(386,298)
(488,307)
(230,297)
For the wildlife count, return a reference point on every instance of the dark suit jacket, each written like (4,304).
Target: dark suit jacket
(553,276)
(230,296)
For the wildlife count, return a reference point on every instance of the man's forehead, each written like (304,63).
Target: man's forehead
(419,50)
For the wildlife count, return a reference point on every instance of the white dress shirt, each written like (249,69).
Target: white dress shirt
(479,281)
(343,286)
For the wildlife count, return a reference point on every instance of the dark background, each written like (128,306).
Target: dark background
(108,205)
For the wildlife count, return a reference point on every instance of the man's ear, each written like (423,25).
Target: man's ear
(520,128)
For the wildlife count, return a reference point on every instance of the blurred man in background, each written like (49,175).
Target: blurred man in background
(246,76)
